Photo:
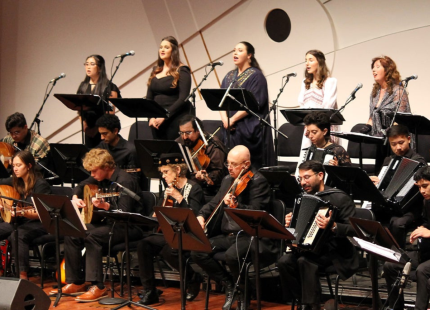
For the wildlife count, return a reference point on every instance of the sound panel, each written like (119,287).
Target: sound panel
(22,294)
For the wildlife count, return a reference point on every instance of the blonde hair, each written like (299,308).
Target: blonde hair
(182,167)
(98,158)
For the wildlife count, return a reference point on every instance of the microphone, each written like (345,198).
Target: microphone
(226,93)
(405,276)
(62,75)
(290,74)
(356,90)
(131,53)
(214,64)
(132,194)
(412,77)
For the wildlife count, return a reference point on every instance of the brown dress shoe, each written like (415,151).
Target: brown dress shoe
(93,294)
(71,289)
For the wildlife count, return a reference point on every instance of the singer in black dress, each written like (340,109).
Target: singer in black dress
(95,83)
(169,86)
(245,128)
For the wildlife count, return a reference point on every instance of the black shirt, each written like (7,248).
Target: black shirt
(411,154)
(124,153)
(193,197)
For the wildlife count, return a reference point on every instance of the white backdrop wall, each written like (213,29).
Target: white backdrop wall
(41,39)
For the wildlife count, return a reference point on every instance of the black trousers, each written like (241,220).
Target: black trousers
(96,241)
(299,273)
(156,245)
(399,226)
(28,230)
(392,271)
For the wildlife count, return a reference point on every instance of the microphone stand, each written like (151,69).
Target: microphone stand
(36,118)
(193,92)
(348,101)
(395,111)
(54,175)
(228,111)
(105,95)
(275,118)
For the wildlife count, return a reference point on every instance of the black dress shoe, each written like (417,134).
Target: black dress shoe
(150,297)
(194,287)
(229,300)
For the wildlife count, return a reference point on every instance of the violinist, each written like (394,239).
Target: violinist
(212,156)
(255,196)
(25,181)
(180,193)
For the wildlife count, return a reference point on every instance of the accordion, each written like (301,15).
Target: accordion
(303,223)
(397,184)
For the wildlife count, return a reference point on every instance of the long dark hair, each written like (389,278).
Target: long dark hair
(103,79)
(322,73)
(392,75)
(175,62)
(251,50)
(25,188)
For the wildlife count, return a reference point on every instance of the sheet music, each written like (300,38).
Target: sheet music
(78,212)
(379,250)
(368,204)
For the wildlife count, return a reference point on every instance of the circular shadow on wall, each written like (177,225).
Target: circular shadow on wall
(278,25)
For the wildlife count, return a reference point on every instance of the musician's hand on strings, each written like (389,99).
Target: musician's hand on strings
(230,201)
(201,221)
(79,202)
(200,175)
(100,203)
(374,179)
(419,232)
(322,221)
(173,192)
(288,218)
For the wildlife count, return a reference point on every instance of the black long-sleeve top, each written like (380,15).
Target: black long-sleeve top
(193,197)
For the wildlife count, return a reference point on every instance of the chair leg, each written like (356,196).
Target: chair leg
(161,272)
(208,287)
(42,266)
(246,296)
(336,292)
(121,276)
(329,285)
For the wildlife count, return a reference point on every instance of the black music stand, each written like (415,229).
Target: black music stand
(358,138)
(258,224)
(295,116)
(81,103)
(128,218)
(59,216)
(68,162)
(213,98)
(3,171)
(374,232)
(182,231)
(139,107)
(417,124)
(279,178)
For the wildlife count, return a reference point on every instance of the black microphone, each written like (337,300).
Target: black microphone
(405,276)
(290,74)
(131,53)
(129,192)
(214,64)
(62,75)
(356,90)
(412,77)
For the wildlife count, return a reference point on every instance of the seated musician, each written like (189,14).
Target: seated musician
(399,139)
(25,181)
(317,129)
(103,172)
(180,193)
(419,261)
(210,177)
(298,270)
(24,138)
(231,239)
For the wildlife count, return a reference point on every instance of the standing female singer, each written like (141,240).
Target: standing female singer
(95,83)
(319,90)
(169,86)
(26,181)
(244,127)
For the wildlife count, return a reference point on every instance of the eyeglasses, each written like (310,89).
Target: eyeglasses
(90,64)
(165,172)
(306,177)
(226,164)
(186,133)
(15,133)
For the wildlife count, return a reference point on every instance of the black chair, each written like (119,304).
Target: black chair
(369,151)
(144,131)
(424,146)
(290,147)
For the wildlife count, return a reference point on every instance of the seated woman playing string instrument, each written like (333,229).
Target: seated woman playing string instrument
(24,182)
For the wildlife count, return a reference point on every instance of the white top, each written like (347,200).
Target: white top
(315,98)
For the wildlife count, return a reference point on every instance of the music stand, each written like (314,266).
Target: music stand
(182,231)
(259,224)
(358,138)
(68,162)
(139,107)
(3,171)
(295,116)
(417,124)
(128,218)
(80,103)
(279,178)
(58,215)
(374,232)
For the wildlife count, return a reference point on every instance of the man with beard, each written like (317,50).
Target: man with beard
(210,178)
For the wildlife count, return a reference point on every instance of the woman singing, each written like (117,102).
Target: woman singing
(169,86)
(95,83)
(244,127)
(26,181)
(319,90)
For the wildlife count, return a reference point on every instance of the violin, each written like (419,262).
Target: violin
(168,202)
(240,186)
